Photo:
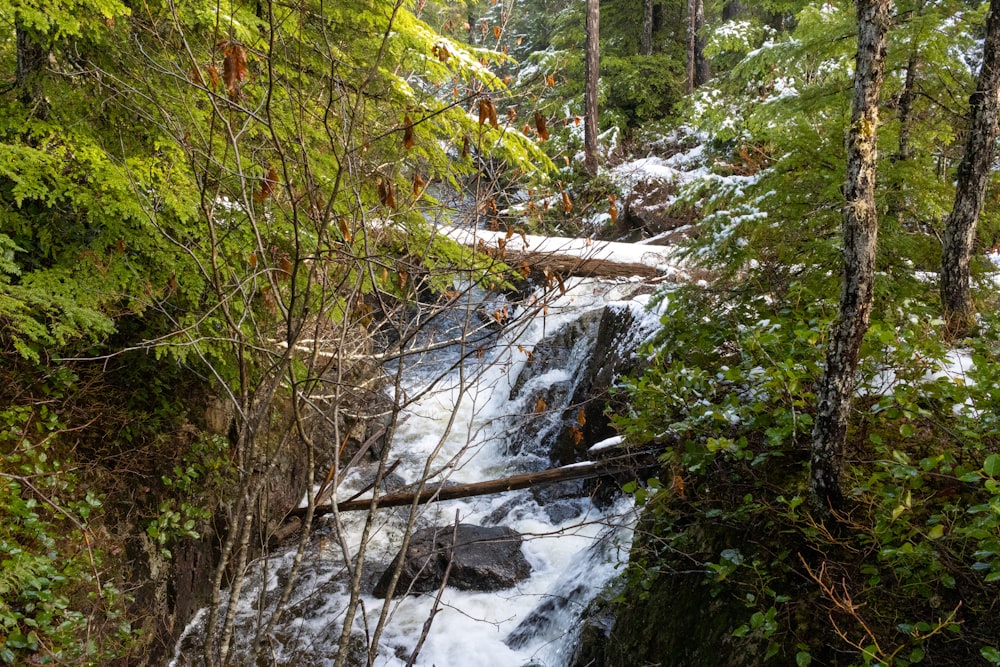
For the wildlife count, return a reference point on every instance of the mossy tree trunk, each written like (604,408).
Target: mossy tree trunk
(860,236)
(973,176)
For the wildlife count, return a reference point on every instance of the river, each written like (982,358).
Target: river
(465,429)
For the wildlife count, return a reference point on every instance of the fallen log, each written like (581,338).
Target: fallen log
(568,265)
(570,256)
(437,493)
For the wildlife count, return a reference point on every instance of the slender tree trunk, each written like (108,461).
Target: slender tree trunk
(860,235)
(697,65)
(906,107)
(592,75)
(731,10)
(30,59)
(647,28)
(973,176)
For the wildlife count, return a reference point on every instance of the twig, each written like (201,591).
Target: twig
(437,600)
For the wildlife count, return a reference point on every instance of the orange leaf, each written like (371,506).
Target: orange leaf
(679,485)
(408,134)
(567,204)
(551,80)
(496,31)
(576,434)
(520,39)
(543,131)
(345,231)
(213,76)
(418,185)
(234,68)
(267,187)
(540,405)
(581,416)
(386,195)
(614,213)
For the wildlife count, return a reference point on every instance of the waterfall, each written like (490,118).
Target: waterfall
(573,544)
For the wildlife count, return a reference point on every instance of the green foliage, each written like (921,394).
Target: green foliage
(54,608)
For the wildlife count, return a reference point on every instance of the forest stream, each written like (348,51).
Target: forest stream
(494,415)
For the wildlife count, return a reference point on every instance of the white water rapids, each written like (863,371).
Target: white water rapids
(574,548)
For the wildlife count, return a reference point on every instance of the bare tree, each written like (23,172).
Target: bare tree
(860,235)
(970,191)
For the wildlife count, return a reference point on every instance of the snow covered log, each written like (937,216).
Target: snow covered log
(570,256)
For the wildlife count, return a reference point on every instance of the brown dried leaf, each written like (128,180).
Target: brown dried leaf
(267,186)
(540,405)
(418,184)
(543,130)
(496,31)
(345,231)
(234,69)
(567,204)
(408,134)
(213,76)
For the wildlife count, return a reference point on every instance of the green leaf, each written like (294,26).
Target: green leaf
(803,659)
(991,654)
(991,466)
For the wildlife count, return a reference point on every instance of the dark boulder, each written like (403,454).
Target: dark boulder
(483,559)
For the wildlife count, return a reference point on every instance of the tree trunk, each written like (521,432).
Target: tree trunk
(592,74)
(437,493)
(906,107)
(970,191)
(860,234)
(647,28)
(30,59)
(731,10)
(697,66)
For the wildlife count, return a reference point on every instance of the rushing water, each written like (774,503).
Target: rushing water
(462,427)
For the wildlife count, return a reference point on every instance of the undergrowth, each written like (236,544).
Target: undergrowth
(910,571)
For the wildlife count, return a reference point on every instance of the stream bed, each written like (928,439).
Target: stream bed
(492,416)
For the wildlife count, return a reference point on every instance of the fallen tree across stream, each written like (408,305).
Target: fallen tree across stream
(570,256)
(437,492)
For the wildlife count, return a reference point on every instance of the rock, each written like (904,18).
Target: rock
(485,559)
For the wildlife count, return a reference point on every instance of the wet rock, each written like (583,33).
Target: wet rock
(484,559)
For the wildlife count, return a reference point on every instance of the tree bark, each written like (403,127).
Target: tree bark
(29,61)
(731,10)
(906,107)
(434,493)
(592,75)
(697,66)
(646,48)
(970,191)
(860,235)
